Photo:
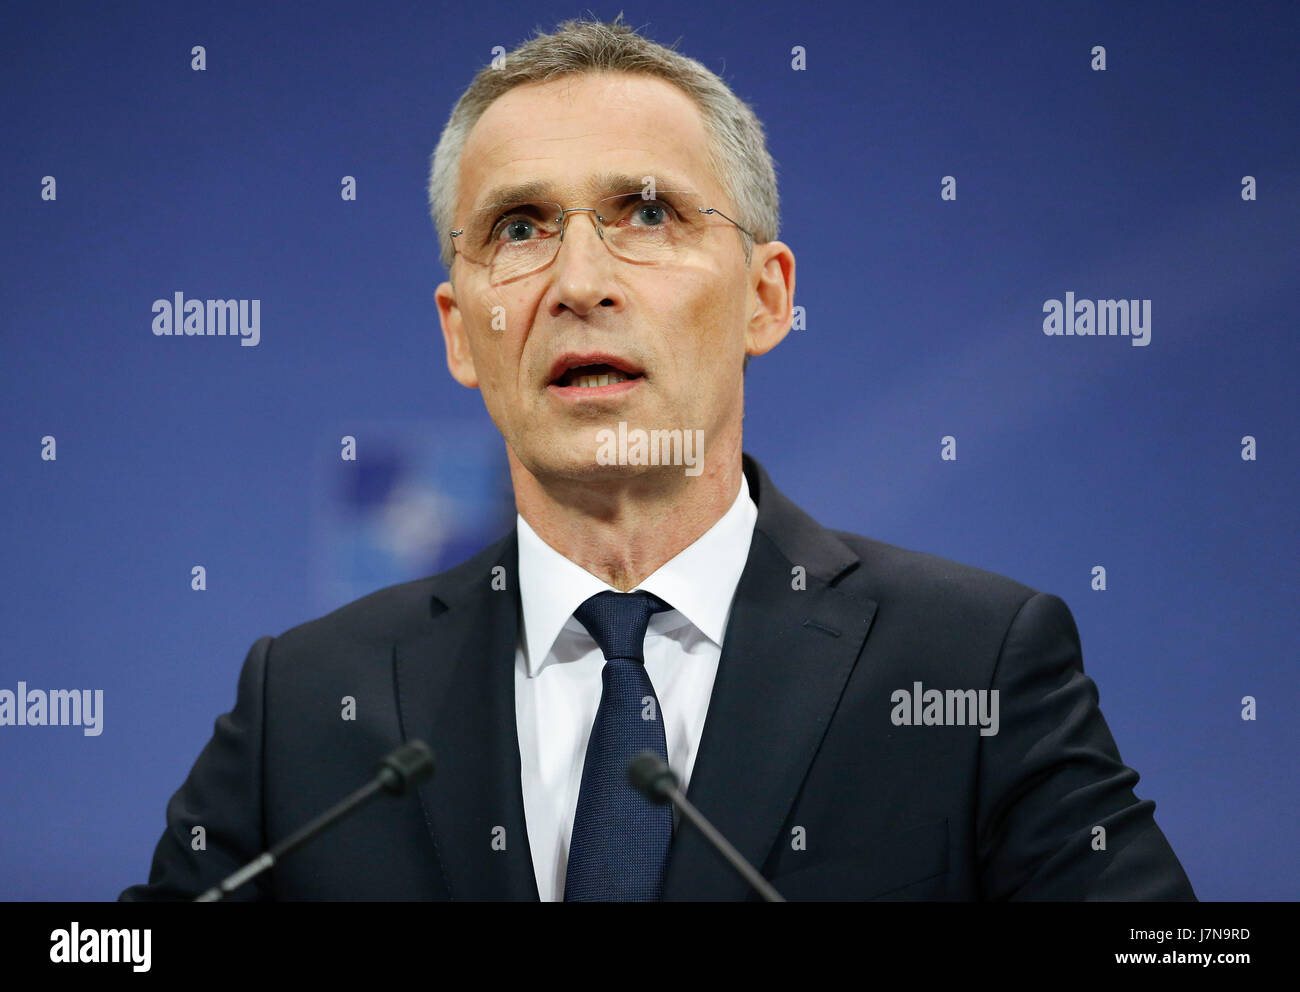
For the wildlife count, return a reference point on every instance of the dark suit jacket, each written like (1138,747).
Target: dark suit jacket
(800,764)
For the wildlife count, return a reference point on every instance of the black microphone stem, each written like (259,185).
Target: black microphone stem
(736,859)
(404,767)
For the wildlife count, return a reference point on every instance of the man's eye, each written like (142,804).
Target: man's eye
(651,213)
(514,228)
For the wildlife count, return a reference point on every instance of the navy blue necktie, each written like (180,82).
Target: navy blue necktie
(618,850)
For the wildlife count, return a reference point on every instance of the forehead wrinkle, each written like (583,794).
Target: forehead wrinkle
(598,185)
(495,144)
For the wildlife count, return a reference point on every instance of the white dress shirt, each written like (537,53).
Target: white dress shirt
(558,669)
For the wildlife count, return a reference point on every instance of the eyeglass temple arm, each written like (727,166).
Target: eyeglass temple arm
(715,210)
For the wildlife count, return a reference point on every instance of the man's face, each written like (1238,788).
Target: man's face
(681,324)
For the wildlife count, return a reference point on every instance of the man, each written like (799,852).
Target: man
(608,213)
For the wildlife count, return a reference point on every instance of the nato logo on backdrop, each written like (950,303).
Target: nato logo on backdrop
(394,502)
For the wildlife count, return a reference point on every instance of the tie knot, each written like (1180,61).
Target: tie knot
(617,621)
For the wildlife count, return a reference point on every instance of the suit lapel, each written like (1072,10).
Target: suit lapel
(786,657)
(455,687)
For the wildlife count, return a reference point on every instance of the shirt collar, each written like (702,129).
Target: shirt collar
(699,582)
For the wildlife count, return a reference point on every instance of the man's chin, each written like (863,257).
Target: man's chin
(592,465)
(588,466)
(613,452)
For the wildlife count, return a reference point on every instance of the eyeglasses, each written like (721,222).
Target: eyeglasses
(526,237)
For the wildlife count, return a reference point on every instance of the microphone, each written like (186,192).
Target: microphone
(651,776)
(403,768)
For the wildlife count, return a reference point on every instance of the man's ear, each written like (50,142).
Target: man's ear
(773,275)
(460,359)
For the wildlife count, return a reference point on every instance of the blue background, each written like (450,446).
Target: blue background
(923,319)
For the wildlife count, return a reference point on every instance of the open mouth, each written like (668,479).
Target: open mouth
(594,376)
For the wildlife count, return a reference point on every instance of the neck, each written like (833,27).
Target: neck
(623,528)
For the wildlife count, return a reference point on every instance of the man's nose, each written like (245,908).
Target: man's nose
(583,268)
(582,234)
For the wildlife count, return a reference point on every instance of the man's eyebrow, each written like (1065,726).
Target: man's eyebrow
(603,184)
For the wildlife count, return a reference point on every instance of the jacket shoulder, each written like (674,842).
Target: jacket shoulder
(889,572)
(379,618)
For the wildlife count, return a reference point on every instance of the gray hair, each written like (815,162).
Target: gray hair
(738,154)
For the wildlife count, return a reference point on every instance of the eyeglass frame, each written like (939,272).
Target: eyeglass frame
(600,226)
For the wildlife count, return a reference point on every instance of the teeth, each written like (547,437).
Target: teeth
(588,381)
